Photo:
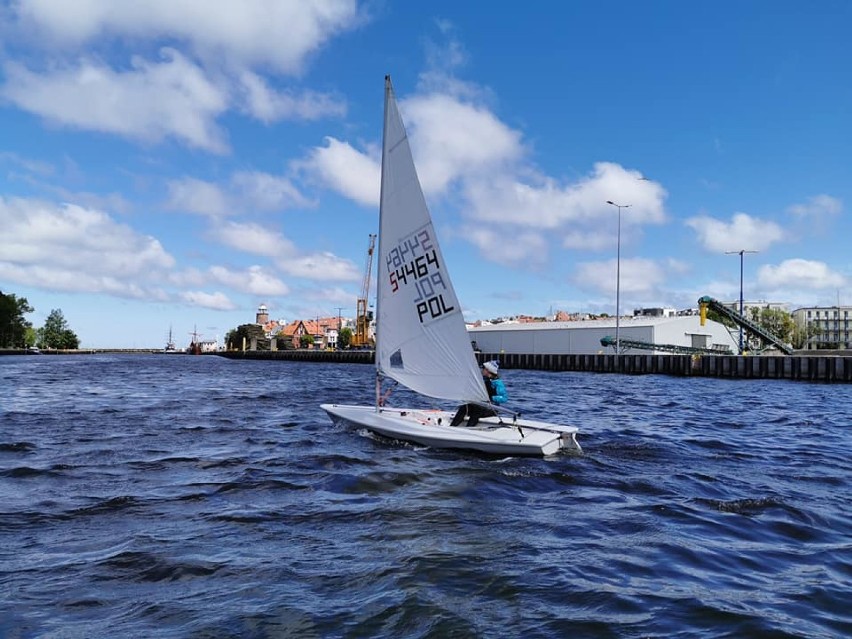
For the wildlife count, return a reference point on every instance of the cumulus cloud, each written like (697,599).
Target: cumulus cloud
(452,139)
(255,279)
(148,102)
(458,142)
(280,33)
(246,191)
(205,68)
(817,206)
(264,192)
(68,247)
(217,301)
(742,232)
(197,196)
(259,240)
(320,266)
(594,240)
(799,273)
(268,105)
(341,167)
(528,248)
(638,276)
(254,239)
(547,204)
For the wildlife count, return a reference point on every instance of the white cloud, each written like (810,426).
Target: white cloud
(246,191)
(37,167)
(594,240)
(268,105)
(280,33)
(205,69)
(197,196)
(451,139)
(68,247)
(528,248)
(320,266)
(638,276)
(259,240)
(744,232)
(455,140)
(73,237)
(265,192)
(149,102)
(799,273)
(217,301)
(254,239)
(255,280)
(817,206)
(343,168)
(549,205)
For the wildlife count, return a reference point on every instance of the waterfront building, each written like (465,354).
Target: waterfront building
(827,327)
(655,312)
(584,337)
(750,307)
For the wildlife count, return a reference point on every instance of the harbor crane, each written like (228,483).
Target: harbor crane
(363,316)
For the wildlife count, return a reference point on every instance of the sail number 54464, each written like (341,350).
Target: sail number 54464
(413,270)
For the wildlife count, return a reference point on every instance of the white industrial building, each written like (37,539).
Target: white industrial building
(585,337)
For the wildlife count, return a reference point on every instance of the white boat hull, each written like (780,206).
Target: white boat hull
(432,428)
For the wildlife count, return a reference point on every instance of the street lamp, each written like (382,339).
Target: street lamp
(618,281)
(740,253)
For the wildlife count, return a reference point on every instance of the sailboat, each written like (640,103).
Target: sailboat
(421,339)
(170,344)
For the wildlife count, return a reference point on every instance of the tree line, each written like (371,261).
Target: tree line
(18,332)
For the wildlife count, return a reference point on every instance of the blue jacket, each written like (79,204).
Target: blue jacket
(496,390)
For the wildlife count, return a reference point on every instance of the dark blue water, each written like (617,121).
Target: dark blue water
(177,496)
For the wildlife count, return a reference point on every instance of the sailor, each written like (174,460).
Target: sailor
(496,394)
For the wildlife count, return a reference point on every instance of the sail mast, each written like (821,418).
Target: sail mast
(379,278)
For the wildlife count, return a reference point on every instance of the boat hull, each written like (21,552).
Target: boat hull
(432,428)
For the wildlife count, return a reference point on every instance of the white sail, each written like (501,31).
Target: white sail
(421,339)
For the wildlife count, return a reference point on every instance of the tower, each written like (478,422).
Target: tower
(262,315)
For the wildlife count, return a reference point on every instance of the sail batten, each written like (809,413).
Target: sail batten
(421,338)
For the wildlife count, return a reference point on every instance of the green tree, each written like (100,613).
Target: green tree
(344,338)
(801,335)
(306,340)
(56,334)
(13,326)
(716,316)
(779,323)
(235,338)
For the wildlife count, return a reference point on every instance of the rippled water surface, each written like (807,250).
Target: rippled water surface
(177,496)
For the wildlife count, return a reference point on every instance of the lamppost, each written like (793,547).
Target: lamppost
(740,253)
(618,283)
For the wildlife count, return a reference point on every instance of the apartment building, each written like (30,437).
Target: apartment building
(828,327)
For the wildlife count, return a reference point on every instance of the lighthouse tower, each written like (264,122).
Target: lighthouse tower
(262,315)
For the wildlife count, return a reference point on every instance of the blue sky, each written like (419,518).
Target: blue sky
(176,163)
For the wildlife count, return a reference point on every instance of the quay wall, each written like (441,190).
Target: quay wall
(819,368)
(795,367)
